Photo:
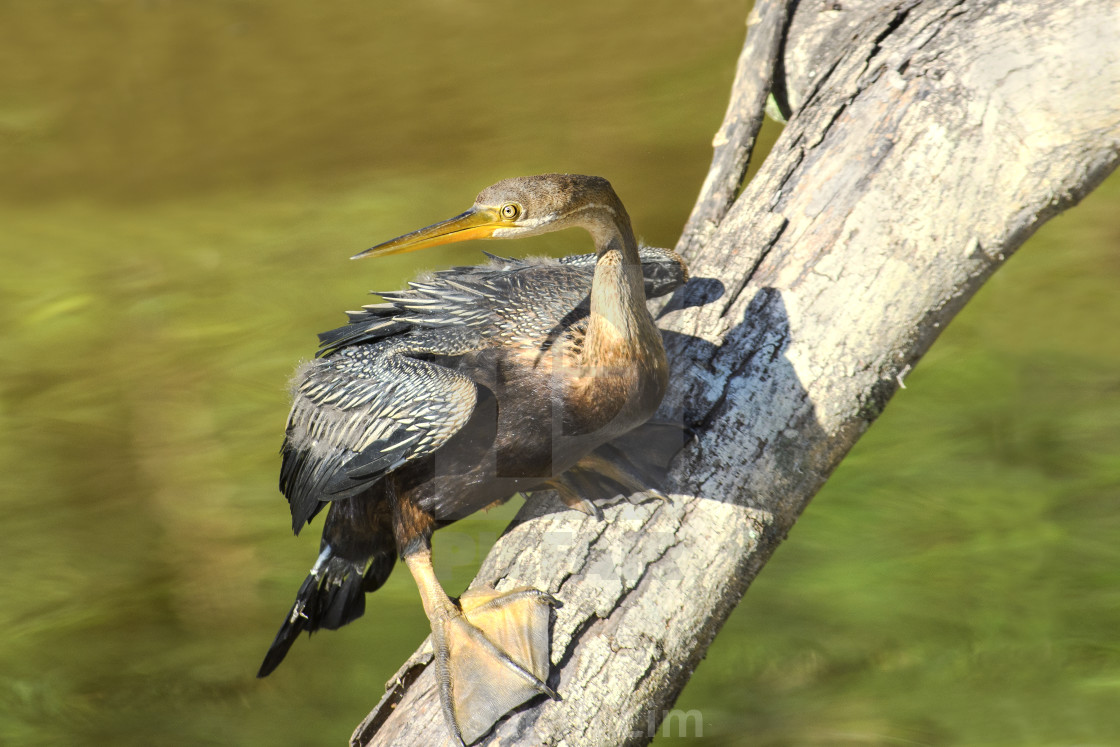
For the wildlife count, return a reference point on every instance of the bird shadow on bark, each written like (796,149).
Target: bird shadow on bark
(593,565)
(764,330)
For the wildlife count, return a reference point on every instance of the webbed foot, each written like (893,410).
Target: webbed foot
(491,657)
(491,649)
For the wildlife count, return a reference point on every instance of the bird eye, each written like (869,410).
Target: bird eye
(510,211)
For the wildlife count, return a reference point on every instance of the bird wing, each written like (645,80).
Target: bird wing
(375,399)
(469,295)
(385,392)
(469,299)
(364,412)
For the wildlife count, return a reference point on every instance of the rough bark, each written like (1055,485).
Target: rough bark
(929,139)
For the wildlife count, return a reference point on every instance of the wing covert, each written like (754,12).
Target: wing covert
(363,412)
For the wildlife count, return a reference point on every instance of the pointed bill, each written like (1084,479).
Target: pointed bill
(476,223)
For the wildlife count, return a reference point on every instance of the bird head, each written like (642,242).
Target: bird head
(521,206)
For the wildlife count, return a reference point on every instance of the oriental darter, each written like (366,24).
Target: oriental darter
(472,385)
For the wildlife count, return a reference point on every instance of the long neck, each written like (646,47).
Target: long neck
(620,328)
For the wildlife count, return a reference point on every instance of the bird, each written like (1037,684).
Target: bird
(472,385)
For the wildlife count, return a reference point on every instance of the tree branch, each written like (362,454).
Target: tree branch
(929,139)
(735,139)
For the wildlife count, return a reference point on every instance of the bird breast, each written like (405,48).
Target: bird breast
(591,401)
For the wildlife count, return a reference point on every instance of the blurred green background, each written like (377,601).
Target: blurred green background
(182,185)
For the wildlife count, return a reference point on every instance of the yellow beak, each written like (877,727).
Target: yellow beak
(476,223)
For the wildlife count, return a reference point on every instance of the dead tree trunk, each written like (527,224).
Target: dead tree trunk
(928,140)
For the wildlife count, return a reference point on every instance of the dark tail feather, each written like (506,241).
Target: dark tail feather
(332,595)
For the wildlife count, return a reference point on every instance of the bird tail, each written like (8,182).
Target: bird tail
(334,592)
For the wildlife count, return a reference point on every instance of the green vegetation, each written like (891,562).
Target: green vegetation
(182,185)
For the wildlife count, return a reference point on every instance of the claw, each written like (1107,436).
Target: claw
(572,498)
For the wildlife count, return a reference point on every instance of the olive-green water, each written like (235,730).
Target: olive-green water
(180,187)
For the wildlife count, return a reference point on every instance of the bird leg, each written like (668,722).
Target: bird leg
(491,649)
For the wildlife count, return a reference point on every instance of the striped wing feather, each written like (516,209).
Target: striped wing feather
(374,399)
(361,413)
